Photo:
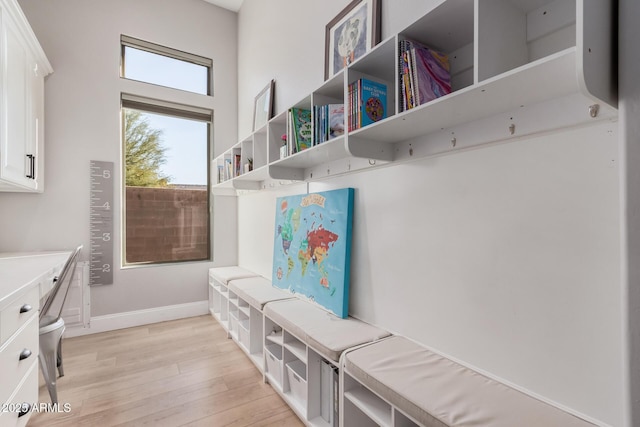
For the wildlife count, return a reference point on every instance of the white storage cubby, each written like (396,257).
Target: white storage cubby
(245,328)
(218,302)
(363,407)
(296,372)
(517,67)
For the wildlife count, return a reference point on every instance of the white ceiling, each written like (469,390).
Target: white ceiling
(233,5)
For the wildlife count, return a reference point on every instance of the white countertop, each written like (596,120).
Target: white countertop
(20,271)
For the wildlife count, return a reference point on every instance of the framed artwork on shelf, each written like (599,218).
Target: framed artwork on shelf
(351,34)
(263,106)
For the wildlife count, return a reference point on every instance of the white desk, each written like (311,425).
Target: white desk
(24,279)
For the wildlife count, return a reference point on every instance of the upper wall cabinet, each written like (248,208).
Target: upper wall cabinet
(516,67)
(23,67)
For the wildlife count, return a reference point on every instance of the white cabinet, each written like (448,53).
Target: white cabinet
(518,67)
(21,278)
(23,67)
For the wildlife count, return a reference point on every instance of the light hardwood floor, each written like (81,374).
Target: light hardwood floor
(178,373)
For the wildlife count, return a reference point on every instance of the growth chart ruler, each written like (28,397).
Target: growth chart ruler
(101,223)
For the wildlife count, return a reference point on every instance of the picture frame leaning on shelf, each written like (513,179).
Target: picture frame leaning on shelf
(351,34)
(263,106)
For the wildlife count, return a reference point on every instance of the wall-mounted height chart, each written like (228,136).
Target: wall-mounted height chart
(101,223)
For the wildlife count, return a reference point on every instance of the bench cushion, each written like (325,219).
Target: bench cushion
(257,291)
(225,274)
(439,392)
(323,331)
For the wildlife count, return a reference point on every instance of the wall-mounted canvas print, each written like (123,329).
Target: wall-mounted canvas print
(351,34)
(312,247)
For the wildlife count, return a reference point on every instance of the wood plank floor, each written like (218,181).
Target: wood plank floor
(178,373)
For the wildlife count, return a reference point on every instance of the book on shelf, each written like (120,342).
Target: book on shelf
(328,122)
(423,74)
(329,396)
(220,174)
(228,172)
(236,164)
(301,128)
(367,103)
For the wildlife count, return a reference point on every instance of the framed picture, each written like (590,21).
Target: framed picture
(263,106)
(351,34)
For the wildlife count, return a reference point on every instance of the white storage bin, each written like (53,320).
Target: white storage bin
(233,324)
(273,356)
(243,333)
(297,377)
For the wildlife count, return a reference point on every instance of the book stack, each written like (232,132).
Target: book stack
(299,130)
(367,103)
(424,74)
(328,122)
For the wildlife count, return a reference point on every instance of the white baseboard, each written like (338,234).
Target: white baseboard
(111,322)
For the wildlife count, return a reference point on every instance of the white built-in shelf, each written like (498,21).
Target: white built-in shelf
(518,67)
(275,337)
(370,404)
(298,349)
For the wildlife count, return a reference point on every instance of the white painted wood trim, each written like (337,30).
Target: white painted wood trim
(111,322)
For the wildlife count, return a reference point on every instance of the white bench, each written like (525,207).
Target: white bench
(219,278)
(224,275)
(420,387)
(257,291)
(325,332)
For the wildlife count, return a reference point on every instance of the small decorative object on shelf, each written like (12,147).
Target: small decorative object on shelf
(351,34)
(248,167)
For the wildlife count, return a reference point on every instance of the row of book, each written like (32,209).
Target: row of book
(302,133)
(367,103)
(228,171)
(424,74)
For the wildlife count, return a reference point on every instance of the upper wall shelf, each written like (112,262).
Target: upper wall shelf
(517,67)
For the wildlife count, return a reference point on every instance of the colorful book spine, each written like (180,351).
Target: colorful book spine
(423,74)
(302,127)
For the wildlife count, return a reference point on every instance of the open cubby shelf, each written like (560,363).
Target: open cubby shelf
(517,67)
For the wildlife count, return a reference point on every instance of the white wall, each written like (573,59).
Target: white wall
(81,39)
(506,257)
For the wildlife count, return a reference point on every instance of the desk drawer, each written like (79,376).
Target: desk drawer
(12,369)
(27,393)
(18,312)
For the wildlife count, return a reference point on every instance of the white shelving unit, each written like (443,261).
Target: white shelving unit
(294,370)
(218,302)
(518,67)
(363,407)
(245,328)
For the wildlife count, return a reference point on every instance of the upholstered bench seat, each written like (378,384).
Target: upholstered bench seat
(224,275)
(257,291)
(325,332)
(438,392)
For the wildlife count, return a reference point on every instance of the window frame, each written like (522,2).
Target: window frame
(127,41)
(172,109)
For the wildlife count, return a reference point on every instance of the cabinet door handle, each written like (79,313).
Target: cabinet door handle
(25,354)
(24,410)
(32,166)
(25,308)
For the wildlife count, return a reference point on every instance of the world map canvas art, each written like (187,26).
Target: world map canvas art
(312,247)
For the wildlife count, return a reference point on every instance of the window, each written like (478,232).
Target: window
(165,152)
(151,63)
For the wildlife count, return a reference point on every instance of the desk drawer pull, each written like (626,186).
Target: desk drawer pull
(26,407)
(25,308)
(25,354)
